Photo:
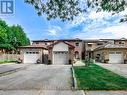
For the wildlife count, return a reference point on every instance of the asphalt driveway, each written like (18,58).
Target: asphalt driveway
(39,80)
(120,69)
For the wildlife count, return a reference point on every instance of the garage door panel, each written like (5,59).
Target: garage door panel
(60,58)
(31,58)
(116,58)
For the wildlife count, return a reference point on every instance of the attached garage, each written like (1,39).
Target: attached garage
(60,53)
(31,56)
(116,57)
(31,53)
(111,53)
(60,58)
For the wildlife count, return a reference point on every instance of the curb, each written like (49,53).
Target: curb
(74,85)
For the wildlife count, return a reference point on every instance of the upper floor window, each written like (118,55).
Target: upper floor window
(45,43)
(77,44)
(89,45)
(99,44)
(121,42)
(37,42)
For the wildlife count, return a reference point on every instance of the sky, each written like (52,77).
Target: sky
(90,25)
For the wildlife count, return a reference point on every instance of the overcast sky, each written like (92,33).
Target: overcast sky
(90,25)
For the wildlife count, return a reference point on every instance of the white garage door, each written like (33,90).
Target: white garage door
(60,58)
(31,57)
(115,57)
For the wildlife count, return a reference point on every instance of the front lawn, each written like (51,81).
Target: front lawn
(6,62)
(95,77)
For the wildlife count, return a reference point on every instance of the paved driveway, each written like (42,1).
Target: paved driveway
(39,80)
(120,69)
(10,67)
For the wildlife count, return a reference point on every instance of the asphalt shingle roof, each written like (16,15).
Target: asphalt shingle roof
(111,46)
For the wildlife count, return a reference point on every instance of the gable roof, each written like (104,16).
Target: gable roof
(46,40)
(33,46)
(51,46)
(111,46)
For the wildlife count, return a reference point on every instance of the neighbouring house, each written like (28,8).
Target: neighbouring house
(32,53)
(90,45)
(113,52)
(66,51)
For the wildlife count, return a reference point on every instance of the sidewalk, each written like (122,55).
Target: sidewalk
(105,92)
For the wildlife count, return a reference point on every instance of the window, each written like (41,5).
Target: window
(121,42)
(37,52)
(118,52)
(77,44)
(45,43)
(62,52)
(37,42)
(89,45)
(27,52)
(98,54)
(30,52)
(111,52)
(99,44)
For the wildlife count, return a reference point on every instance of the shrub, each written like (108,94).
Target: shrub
(88,62)
(49,62)
(7,61)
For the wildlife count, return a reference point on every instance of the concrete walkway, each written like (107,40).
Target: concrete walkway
(41,92)
(79,63)
(120,69)
(106,93)
(38,79)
